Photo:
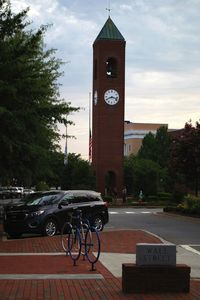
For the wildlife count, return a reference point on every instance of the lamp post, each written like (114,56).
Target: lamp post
(65,154)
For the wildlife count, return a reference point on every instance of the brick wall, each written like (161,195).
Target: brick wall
(143,279)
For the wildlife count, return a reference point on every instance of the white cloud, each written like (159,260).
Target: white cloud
(126,7)
(162,56)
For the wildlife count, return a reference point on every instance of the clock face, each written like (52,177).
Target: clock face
(111,97)
(95,97)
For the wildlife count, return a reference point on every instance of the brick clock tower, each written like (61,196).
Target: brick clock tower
(108,109)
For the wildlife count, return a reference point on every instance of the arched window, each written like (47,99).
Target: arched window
(110,183)
(111,67)
(95,69)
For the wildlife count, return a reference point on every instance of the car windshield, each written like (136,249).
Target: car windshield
(41,199)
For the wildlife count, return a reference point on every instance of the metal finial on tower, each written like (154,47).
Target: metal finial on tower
(108,9)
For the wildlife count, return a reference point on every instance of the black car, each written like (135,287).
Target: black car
(46,212)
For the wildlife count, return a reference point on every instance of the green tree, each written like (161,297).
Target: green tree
(185,156)
(148,149)
(56,171)
(163,143)
(30,104)
(141,174)
(78,173)
(156,148)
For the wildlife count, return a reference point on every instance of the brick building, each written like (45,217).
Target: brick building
(134,134)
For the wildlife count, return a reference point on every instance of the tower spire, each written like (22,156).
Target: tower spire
(109,32)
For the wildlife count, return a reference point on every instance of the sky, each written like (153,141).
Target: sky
(162,82)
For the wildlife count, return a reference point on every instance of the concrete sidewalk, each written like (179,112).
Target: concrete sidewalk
(114,261)
(36,269)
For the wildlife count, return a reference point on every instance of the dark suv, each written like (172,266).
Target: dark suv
(46,212)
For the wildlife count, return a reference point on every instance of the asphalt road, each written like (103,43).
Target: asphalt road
(173,228)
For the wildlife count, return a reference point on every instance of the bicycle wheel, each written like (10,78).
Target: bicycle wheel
(84,228)
(74,244)
(67,228)
(92,245)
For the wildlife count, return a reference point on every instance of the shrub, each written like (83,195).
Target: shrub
(178,193)
(108,199)
(165,196)
(152,198)
(192,204)
(42,186)
(168,209)
(160,197)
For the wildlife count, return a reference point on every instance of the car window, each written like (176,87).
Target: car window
(80,199)
(50,199)
(41,199)
(93,199)
(34,201)
(68,198)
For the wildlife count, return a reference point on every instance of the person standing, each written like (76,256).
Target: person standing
(124,194)
(141,196)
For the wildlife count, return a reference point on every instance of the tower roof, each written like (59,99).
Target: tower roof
(109,32)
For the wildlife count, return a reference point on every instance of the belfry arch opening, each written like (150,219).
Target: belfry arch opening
(111,67)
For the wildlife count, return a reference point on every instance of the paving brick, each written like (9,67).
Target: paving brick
(110,288)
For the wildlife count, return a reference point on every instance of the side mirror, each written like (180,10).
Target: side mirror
(62,203)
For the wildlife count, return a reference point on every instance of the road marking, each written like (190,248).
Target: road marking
(130,212)
(189,248)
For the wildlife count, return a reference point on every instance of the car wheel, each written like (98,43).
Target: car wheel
(98,222)
(50,227)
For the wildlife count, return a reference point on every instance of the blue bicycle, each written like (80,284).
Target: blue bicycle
(78,237)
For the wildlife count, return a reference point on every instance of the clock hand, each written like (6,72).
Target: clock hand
(111,97)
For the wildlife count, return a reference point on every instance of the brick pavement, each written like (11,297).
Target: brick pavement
(78,289)
(123,241)
(81,290)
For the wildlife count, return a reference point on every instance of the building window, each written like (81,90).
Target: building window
(125,154)
(111,67)
(127,149)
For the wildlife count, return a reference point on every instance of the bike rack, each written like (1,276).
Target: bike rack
(83,244)
(84,255)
